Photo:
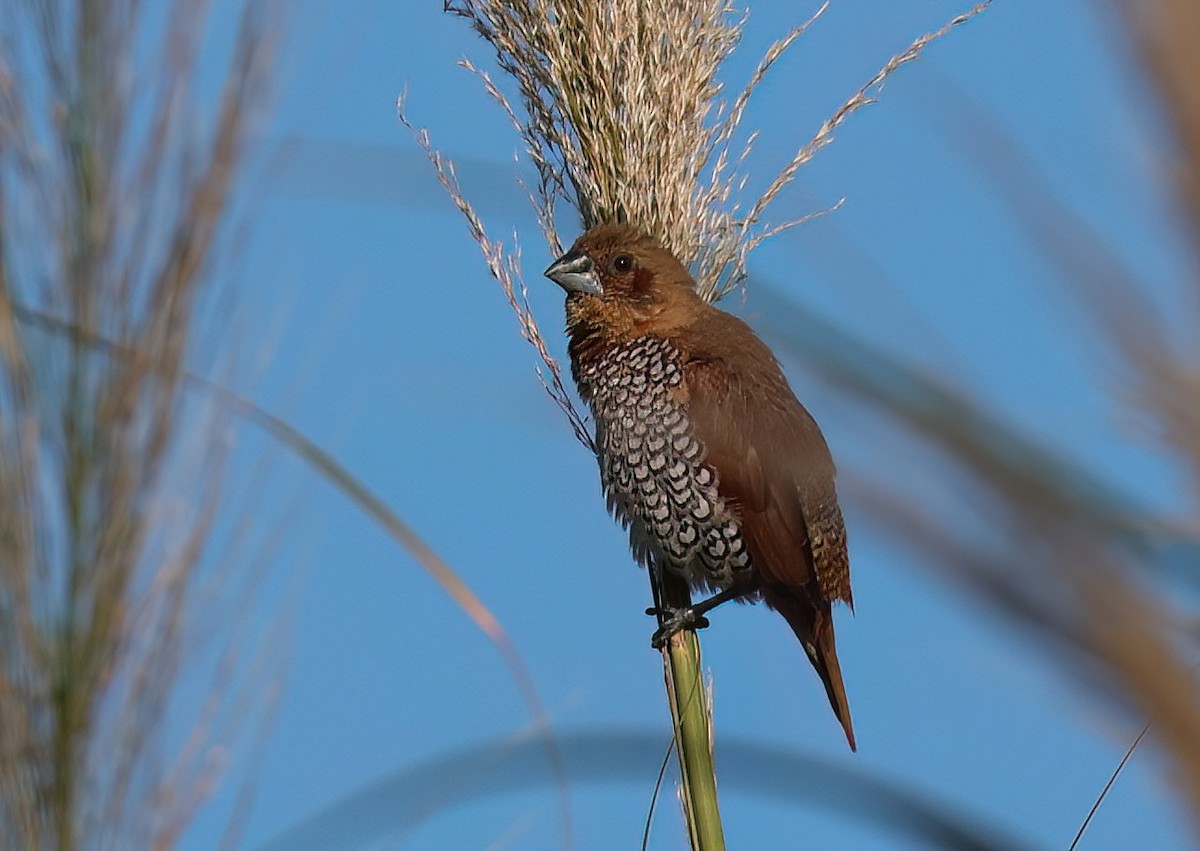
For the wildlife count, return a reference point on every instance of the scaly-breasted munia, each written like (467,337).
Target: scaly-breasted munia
(705,454)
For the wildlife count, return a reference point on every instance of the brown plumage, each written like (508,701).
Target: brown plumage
(705,453)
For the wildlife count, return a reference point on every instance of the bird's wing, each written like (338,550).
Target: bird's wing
(773,465)
(771,462)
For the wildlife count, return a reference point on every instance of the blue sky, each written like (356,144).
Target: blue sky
(367,319)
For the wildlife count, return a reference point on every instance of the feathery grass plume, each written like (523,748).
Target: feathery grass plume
(114,185)
(622,116)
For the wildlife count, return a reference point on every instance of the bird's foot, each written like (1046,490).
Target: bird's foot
(676,620)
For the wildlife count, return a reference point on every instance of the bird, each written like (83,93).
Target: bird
(706,456)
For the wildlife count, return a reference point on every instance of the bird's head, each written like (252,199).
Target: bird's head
(623,282)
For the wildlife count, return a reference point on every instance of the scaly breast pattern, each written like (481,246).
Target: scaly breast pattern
(652,466)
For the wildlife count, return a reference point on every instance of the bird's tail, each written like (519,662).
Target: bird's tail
(814,628)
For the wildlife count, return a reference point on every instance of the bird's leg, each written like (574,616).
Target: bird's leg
(688,617)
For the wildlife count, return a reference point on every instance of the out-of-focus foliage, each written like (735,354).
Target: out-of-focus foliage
(115,177)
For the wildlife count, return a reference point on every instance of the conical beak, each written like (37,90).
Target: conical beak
(575,273)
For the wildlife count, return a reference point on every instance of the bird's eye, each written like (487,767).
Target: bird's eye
(622,263)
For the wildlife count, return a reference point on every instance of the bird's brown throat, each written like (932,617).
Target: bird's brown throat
(595,325)
(595,328)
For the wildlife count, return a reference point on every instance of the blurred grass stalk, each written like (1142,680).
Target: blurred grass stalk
(621,113)
(115,189)
(1164,35)
(1104,583)
(1128,606)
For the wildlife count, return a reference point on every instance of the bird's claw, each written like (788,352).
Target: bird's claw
(676,620)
